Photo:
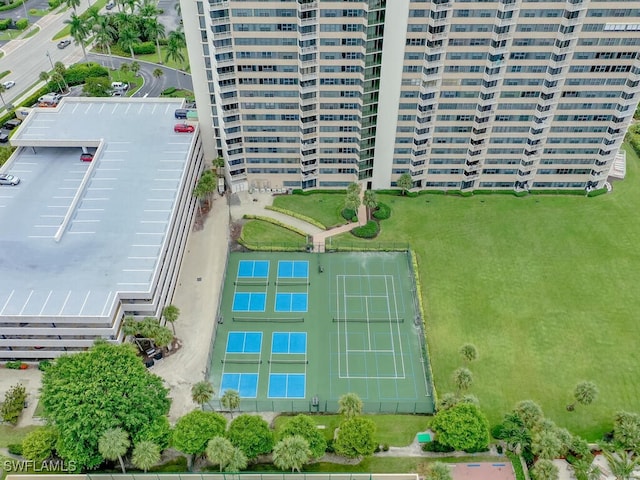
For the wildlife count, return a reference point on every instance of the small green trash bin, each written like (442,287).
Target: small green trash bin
(424,437)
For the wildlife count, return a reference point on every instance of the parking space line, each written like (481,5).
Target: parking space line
(67,188)
(132,283)
(153,221)
(39,236)
(7,302)
(163,189)
(90,209)
(100,188)
(85,302)
(149,233)
(52,216)
(46,226)
(65,302)
(95,198)
(45,302)
(57,206)
(80,233)
(62,198)
(111,169)
(85,221)
(137,269)
(163,211)
(141,258)
(104,178)
(26,302)
(145,246)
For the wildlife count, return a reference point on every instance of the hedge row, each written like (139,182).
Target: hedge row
(349,215)
(369,230)
(275,222)
(595,193)
(298,191)
(270,248)
(297,215)
(11,6)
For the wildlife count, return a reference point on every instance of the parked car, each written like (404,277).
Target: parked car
(8,84)
(110,6)
(6,179)
(64,44)
(11,124)
(4,138)
(184,128)
(86,157)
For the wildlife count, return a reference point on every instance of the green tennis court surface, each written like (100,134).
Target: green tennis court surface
(296,331)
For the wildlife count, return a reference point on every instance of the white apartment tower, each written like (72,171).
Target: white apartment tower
(461,94)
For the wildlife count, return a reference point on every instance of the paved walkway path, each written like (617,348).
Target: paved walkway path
(319,239)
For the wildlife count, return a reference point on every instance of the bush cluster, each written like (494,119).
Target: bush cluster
(144,48)
(383,212)
(13,365)
(595,193)
(54,4)
(22,24)
(13,404)
(5,23)
(168,91)
(370,230)
(348,213)
(77,74)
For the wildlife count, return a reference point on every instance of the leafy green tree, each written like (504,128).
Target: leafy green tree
(145,455)
(157,431)
(291,453)
(514,433)
(350,405)
(106,387)
(39,444)
(113,444)
(171,313)
(202,392)
(544,470)
(220,451)
(469,352)
(251,434)
(404,182)
(462,427)
(621,464)
(370,200)
(529,412)
(356,438)
(230,400)
(434,471)
(303,426)
(626,431)
(463,379)
(194,430)
(79,31)
(96,87)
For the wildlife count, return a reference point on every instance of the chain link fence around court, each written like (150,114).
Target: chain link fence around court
(248,476)
(322,406)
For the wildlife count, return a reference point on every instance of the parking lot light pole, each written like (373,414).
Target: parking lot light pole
(50,61)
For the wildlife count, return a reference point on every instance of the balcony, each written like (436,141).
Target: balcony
(305,6)
(309,166)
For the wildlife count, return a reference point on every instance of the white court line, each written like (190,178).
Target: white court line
(393,290)
(370,351)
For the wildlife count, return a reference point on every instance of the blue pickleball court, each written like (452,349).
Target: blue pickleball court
(291,302)
(244,342)
(249,302)
(289,342)
(293,269)
(287,385)
(246,384)
(253,269)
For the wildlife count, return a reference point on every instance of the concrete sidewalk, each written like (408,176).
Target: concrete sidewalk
(320,238)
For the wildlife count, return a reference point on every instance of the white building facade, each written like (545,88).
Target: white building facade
(462,95)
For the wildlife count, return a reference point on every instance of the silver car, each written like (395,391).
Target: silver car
(6,179)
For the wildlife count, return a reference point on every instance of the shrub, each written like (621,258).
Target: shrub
(330,447)
(168,91)
(77,74)
(370,230)
(22,24)
(385,447)
(595,193)
(43,365)
(54,4)
(15,448)
(144,48)
(5,23)
(383,212)
(436,446)
(14,365)
(348,213)
(13,404)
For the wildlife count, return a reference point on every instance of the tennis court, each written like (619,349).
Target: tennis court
(317,326)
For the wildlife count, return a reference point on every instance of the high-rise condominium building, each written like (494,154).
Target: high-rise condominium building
(461,94)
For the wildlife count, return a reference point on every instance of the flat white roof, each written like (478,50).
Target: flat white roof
(77,235)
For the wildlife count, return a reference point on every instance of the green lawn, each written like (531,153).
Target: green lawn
(10,434)
(265,232)
(324,207)
(394,430)
(544,286)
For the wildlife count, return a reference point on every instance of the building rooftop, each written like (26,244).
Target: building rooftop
(78,235)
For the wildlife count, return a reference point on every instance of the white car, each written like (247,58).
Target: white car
(8,84)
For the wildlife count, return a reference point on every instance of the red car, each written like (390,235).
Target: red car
(184,128)
(86,157)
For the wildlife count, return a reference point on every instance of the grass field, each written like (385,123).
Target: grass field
(394,430)
(269,233)
(325,208)
(10,434)
(544,286)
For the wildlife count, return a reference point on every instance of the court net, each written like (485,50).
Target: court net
(269,319)
(289,362)
(251,283)
(368,320)
(292,283)
(241,361)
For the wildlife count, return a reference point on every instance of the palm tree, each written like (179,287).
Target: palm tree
(128,37)
(585,393)
(621,464)
(230,400)
(175,44)
(584,469)
(469,352)
(220,451)
(370,201)
(202,392)
(404,182)
(45,77)
(291,453)
(105,34)
(544,470)
(148,9)
(162,337)
(79,31)
(350,405)
(157,73)
(238,461)
(145,455)
(135,68)
(2,90)
(529,412)
(171,314)
(434,471)
(113,444)
(199,192)
(463,378)
(73,4)
(61,69)
(515,434)
(154,30)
